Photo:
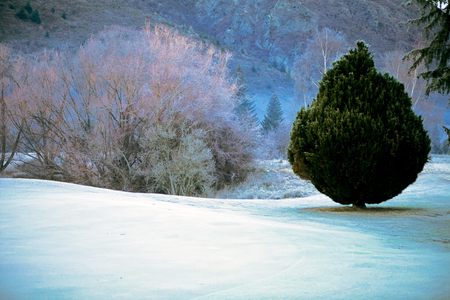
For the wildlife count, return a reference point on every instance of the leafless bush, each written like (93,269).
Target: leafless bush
(37,112)
(9,135)
(178,161)
(133,110)
(274,143)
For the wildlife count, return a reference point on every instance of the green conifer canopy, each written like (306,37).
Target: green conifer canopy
(359,142)
(35,17)
(435,21)
(21,14)
(245,107)
(274,115)
(28,7)
(447,131)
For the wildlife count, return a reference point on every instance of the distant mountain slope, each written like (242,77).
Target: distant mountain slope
(260,33)
(267,29)
(277,29)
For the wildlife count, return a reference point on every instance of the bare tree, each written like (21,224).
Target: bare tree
(9,138)
(322,49)
(394,64)
(133,110)
(430,109)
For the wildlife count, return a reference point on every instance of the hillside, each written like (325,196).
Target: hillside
(264,36)
(277,29)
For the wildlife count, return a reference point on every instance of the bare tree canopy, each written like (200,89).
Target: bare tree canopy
(140,110)
(323,48)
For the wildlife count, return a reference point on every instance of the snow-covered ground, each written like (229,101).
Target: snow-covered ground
(63,241)
(274,179)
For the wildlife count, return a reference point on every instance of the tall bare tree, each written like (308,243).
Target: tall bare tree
(9,137)
(322,49)
(394,64)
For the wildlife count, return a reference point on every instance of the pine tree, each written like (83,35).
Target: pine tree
(35,17)
(274,115)
(28,7)
(21,14)
(64,15)
(359,142)
(447,131)
(435,19)
(245,107)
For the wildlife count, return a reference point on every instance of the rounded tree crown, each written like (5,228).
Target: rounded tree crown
(359,141)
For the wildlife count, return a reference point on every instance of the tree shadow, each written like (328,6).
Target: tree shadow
(369,210)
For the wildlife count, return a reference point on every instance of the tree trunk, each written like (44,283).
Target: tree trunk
(359,205)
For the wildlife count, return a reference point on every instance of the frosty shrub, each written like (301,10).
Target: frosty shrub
(140,110)
(360,141)
(179,163)
(9,136)
(273,144)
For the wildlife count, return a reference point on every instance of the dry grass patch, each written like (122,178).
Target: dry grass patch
(378,211)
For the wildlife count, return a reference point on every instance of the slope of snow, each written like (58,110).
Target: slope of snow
(63,241)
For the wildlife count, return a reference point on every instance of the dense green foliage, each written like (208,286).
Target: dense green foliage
(435,16)
(274,115)
(245,107)
(21,14)
(359,142)
(28,7)
(64,15)
(447,131)
(35,17)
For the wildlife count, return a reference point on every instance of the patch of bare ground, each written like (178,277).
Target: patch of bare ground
(379,211)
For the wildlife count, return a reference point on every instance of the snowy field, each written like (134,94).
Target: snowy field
(63,241)
(274,179)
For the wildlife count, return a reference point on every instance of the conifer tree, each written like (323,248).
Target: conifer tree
(21,14)
(274,115)
(435,19)
(35,17)
(447,131)
(359,142)
(28,7)
(245,107)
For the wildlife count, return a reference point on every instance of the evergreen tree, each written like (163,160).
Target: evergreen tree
(245,107)
(274,115)
(21,14)
(28,8)
(35,17)
(64,15)
(447,131)
(435,17)
(53,10)
(359,142)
